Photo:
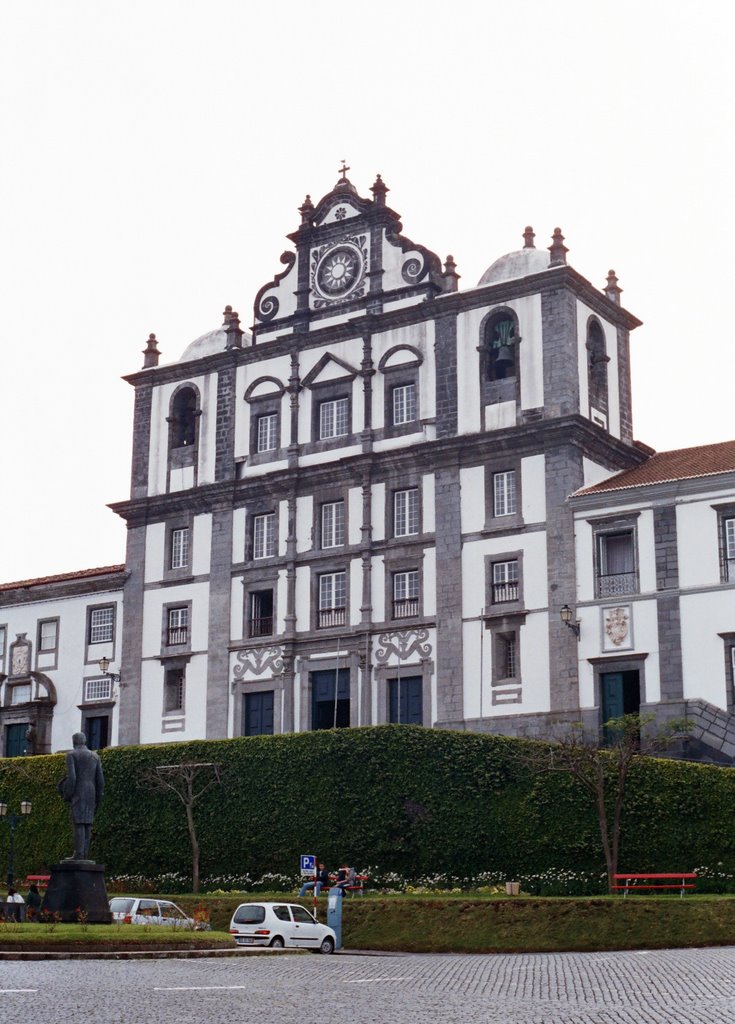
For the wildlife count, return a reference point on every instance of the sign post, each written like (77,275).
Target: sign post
(308,870)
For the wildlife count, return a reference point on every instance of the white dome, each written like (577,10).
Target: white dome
(521,263)
(210,343)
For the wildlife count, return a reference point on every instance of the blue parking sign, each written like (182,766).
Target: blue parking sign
(308,865)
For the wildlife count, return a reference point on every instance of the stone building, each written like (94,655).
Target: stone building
(392,501)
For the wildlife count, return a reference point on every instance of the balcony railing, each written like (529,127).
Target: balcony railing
(329,617)
(262,626)
(617,583)
(178,635)
(503,592)
(406,608)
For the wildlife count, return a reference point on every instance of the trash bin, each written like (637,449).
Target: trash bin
(512,888)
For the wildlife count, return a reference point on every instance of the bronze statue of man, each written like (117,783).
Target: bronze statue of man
(82,789)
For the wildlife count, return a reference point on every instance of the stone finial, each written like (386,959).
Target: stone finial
(306,210)
(232,328)
(150,352)
(379,190)
(528,236)
(451,277)
(557,249)
(611,289)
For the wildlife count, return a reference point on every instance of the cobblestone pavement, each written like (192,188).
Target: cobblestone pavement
(663,987)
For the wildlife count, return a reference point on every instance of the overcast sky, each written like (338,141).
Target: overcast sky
(154,155)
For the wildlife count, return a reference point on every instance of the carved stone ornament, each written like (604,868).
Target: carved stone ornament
(617,625)
(258,660)
(20,656)
(403,644)
(338,270)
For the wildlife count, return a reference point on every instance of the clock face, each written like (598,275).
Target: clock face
(338,271)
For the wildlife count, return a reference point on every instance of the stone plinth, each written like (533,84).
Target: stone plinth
(78,885)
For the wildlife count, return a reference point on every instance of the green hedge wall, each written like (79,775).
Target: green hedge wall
(416,801)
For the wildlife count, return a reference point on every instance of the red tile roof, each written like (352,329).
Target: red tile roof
(681,464)
(82,574)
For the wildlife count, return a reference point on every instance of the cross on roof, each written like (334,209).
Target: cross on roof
(344,169)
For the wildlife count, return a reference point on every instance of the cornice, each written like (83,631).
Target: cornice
(62,589)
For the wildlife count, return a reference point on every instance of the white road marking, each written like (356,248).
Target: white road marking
(372,981)
(198,988)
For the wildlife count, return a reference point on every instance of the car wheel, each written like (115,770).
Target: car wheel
(277,942)
(326,945)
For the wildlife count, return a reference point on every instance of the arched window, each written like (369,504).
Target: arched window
(501,351)
(597,361)
(183,419)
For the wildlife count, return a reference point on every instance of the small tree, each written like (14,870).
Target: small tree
(603,771)
(189,780)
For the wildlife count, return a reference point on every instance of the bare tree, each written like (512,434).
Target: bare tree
(603,771)
(189,780)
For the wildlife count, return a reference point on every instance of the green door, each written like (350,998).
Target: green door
(612,696)
(15,740)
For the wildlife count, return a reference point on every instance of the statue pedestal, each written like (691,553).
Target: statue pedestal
(78,885)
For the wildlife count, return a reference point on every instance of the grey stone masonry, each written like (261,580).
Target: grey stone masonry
(667,556)
(141,441)
(561,376)
(445,347)
(564,474)
(449,665)
(669,646)
(224,464)
(624,386)
(132,639)
(218,658)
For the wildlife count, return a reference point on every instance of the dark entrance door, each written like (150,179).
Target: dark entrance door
(96,729)
(620,693)
(405,699)
(15,739)
(257,714)
(330,699)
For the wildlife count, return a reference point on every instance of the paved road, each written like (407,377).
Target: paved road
(668,987)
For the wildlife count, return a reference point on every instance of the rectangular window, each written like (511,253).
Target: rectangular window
(257,714)
(405,700)
(406,513)
(260,613)
(509,652)
(405,594)
(728,548)
(334,418)
(332,599)
(616,564)
(97,689)
(178,626)
(20,694)
(48,632)
(3,634)
(504,493)
(505,581)
(267,432)
(180,548)
(173,690)
(264,535)
(333,524)
(101,622)
(404,404)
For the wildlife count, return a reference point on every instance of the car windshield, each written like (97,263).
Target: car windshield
(121,906)
(249,913)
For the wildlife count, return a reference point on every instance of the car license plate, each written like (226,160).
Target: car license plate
(245,940)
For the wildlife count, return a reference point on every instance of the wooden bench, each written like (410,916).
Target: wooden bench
(655,880)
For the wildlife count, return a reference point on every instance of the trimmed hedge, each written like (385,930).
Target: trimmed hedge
(412,800)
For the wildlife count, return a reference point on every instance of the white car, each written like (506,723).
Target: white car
(129,910)
(279,925)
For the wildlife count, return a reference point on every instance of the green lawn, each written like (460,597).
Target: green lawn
(40,936)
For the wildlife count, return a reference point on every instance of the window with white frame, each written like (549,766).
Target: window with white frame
(267,432)
(334,418)
(101,624)
(406,512)
(20,694)
(405,406)
(264,535)
(332,599)
(48,635)
(728,549)
(505,581)
(173,690)
(3,641)
(405,594)
(180,548)
(504,493)
(508,651)
(333,524)
(178,626)
(98,689)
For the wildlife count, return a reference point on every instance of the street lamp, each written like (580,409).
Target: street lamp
(104,664)
(566,617)
(13,820)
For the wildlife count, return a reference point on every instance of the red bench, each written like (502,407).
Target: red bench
(656,880)
(41,880)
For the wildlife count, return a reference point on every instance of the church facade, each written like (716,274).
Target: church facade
(395,500)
